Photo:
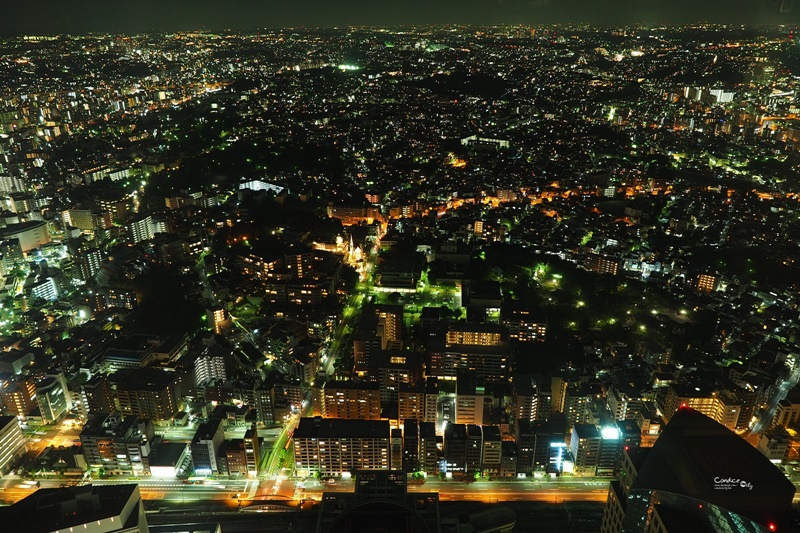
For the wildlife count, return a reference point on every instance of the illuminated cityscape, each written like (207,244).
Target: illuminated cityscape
(430,278)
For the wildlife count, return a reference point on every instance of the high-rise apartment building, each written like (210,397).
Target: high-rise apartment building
(492,451)
(478,348)
(332,447)
(87,264)
(721,406)
(141,229)
(147,393)
(97,395)
(17,398)
(12,443)
(411,402)
(351,399)
(118,444)
(210,365)
(526,401)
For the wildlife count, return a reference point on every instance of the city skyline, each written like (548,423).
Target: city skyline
(53,17)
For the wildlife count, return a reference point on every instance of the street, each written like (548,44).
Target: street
(351,311)
(482,491)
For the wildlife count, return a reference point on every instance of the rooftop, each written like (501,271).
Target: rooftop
(338,427)
(149,379)
(62,509)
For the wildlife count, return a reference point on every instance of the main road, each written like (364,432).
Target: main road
(352,309)
(485,491)
(13,489)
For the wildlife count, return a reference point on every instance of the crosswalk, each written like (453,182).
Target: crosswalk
(251,487)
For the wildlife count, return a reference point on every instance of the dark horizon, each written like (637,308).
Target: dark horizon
(95,16)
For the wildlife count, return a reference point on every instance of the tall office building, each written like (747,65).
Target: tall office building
(428,448)
(558,393)
(469,399)
(702,477)
(455,448)
(381,502)
(252,450)
(706,282)
(474,454)
(11,252)
(410,445)
(86,219)
(53,398)
(396,449)
(541,446)
(603,265)
(523,326)
(584,444)
(380,328)
(205,446)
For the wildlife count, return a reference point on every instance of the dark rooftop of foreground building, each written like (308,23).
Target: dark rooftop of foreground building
(109,508)
(700,458)
(701,473)
(382,504)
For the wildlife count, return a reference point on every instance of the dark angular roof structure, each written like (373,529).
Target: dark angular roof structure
(698,458)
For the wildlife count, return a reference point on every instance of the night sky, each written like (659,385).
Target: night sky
(78,16)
